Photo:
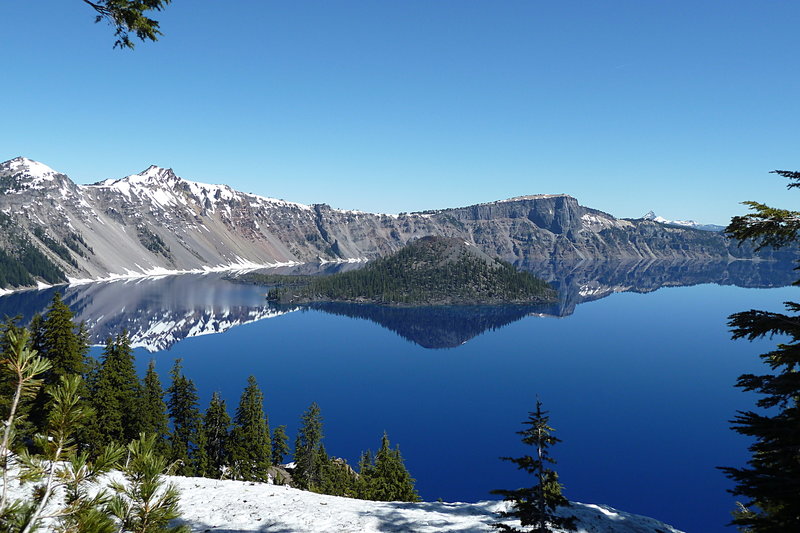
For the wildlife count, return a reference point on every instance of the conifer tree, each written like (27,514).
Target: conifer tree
(306,448)
(365,473)
(186,439)
(153,410)
(117,393)
(337,478)
(535,506)
(771,481)
(389,479)
(217,424)
(280,445)
(145,504)
(250,449)
(55,338)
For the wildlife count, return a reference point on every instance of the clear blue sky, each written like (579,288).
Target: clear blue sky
(681,107)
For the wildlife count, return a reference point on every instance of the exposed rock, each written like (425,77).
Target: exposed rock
(156,221)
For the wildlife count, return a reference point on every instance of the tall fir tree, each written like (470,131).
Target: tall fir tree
(187,441)
(388,479)
(153,410)
(217,425)
(280,445)
(250,448)
(56,338)
(535,506)
(771,481)
(306,448)
(116,397)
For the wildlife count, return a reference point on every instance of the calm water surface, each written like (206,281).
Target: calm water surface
(639,386)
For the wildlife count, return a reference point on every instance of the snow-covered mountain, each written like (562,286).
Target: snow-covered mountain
(52,229)
(650,215)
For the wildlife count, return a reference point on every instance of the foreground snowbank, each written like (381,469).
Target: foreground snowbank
(234,506)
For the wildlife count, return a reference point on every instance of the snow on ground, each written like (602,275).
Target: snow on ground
(210,505)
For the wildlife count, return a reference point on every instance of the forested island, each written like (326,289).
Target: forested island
(428,271)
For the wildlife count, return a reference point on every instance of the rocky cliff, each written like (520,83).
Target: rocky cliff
(52,229)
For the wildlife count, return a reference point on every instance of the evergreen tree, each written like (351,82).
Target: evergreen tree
(337,478)
(771,481)
(217,424)
(366,470)
(535,506)
(144,504)
(55,338)
(250,449)
(280,445)
(154,420)
(117,393)
(186,440)
(129,17)
(389,479)
(62,344)
(306,449)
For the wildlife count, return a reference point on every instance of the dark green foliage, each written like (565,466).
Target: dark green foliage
(280,445)
(771,481)
(535,506)
(217,425)
(116,396)
(387,479)
(145,504)
(250,446)
(62,342)
(337,478)
(59,249)
(430,271)
(152,241)
(307,448)
(21,261)
(153,410)
(187,442)
(59,341)
(129,16)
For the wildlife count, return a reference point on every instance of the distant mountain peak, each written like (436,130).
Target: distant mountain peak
(650,215)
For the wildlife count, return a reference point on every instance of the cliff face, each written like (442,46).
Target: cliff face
(52,229)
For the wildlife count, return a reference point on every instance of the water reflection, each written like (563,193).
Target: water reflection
(160,312)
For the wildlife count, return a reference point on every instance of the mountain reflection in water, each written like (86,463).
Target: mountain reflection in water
(159,312)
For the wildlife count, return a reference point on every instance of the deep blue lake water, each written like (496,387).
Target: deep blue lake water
(639,386)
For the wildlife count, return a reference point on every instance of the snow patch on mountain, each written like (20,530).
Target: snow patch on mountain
(650,215)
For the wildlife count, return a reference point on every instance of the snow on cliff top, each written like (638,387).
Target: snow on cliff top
(237,506)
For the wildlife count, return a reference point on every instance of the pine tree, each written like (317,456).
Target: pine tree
(337,478)
(187,439)
(535,506)
(280,445)
(144,504)
(306,448)
(55,338)
(389,480)
(217,424)
(771,481)
(117,393)
(366,470)
(250,449)
(154,420)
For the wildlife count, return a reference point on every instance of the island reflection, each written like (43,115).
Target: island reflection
(158,313)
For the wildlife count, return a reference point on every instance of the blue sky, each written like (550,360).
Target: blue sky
(679,107)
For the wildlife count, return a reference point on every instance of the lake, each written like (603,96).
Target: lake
(634,364)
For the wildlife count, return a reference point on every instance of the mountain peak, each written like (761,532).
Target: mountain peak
(29,167)
(157,173)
